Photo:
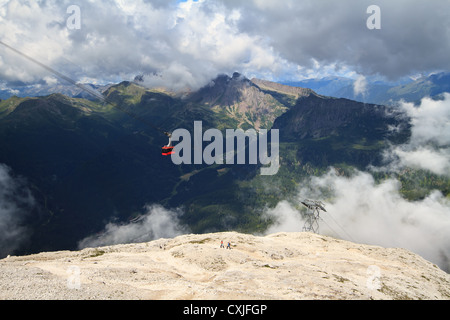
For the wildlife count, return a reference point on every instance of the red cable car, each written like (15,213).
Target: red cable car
(168,150)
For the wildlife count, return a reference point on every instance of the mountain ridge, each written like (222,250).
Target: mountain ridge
(241,99)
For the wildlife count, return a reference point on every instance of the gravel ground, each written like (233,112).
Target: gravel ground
(289,266)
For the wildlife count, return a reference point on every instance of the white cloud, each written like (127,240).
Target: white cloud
(156,223)
(286,218)
(360,86)
(430,121)
(436,161)
(50,81)
(429,145)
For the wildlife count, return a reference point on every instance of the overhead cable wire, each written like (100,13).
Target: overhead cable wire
(346,233)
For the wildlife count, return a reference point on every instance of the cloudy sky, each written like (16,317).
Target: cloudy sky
(186,43)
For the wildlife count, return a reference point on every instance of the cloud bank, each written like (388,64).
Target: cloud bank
(185,44)
(156,223)
(429,145)
(15,203)
(360,210)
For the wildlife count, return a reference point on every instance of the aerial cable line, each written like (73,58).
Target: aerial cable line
(337,233)
(347,234)
(84,88)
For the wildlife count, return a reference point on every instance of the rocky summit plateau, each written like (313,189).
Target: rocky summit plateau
(290,266)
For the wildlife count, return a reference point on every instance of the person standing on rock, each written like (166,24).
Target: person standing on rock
(229,245)
(221,244)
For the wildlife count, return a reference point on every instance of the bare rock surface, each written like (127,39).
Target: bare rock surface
(278,266)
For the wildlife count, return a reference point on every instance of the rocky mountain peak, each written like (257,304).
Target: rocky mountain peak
(243,100)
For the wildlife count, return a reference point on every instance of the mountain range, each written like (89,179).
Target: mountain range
(87,163)
(379,91)
(373,90)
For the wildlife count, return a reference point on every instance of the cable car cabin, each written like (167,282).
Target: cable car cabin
(166,150)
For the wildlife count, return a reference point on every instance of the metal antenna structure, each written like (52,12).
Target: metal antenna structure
(312,215)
